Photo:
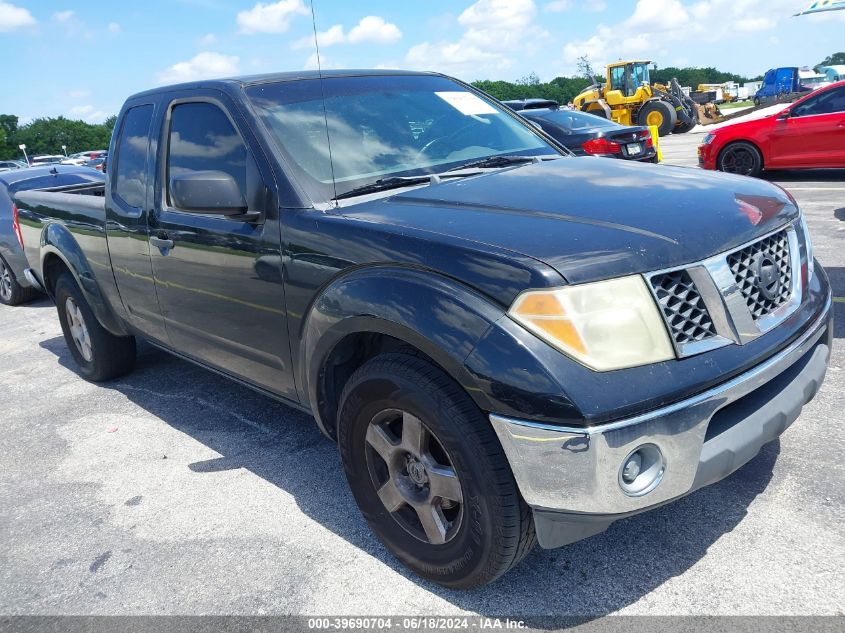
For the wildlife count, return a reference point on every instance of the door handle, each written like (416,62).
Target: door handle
(162,243)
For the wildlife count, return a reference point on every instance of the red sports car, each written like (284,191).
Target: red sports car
(808,134)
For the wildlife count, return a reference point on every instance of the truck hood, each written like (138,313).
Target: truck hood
(593,218)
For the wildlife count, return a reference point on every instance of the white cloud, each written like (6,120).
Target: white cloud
(87,113)
(62,16)
(209,39)
(375,29)
(205,65)
(496,32)
(595,6)
(659,26)
(557,6)
(332,36)
(114,28)
(12,17)
(658,15)
(754,24)
(274,17)
(311,62)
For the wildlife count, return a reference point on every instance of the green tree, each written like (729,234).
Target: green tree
(692,76)
(837,59)
(47,135)
(8,129)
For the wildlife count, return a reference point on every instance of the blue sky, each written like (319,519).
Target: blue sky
(82,58)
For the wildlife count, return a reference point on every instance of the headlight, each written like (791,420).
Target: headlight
(808,246)
(708,138)
(605,325)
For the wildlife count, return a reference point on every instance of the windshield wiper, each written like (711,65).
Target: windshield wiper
(383,184)
(499,161)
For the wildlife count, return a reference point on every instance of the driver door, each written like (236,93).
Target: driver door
(813,135)
(220,304)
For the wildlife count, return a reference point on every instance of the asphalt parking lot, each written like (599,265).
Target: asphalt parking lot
(175,491)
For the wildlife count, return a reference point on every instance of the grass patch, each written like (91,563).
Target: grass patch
(736,104)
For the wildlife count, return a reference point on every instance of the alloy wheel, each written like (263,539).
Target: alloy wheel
(78,329)
(414,477)
(5,282)
(739,160)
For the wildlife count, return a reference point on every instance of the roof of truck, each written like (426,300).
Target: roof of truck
(298,75)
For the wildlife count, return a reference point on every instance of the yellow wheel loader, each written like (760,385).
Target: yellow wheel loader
(629,98)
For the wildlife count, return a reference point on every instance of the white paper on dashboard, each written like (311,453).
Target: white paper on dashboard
(466,103)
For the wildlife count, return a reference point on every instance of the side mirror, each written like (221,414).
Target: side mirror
(783,116)
(211,192)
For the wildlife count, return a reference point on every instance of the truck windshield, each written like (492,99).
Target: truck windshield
(372,128)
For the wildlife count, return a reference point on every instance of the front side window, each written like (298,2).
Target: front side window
(202,138)
(374,127)
(828,102)
(131,168)
(617,78)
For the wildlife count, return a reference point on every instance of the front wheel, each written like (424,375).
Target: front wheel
(659,114)
(99,354)
(741,158)
(429,474)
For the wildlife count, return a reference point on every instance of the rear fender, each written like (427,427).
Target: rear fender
(435,314)
(57,241)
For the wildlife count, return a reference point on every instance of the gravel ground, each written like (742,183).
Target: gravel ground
(175,491)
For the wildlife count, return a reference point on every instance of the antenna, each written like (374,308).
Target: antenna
(323,95)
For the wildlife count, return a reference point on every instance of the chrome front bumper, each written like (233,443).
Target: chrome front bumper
(577,470)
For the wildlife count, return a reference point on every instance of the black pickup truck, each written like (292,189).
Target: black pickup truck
(508,344)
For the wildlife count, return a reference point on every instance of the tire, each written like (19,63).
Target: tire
(401,409)
(11,292)
(756,101)
(740,158)
(99,354)
(682,128)
(658,113)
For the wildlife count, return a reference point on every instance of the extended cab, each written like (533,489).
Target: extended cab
(508,344)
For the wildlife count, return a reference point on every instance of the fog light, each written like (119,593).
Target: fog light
(631,469)
(642,470)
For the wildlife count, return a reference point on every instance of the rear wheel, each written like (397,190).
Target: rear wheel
(659,114)
(99,354)
(429,474)
(740,158)
(11,292)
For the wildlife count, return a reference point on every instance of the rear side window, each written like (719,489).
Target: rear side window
(203,138)
(131,169)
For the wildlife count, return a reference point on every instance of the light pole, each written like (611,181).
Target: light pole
(22,147)
(64,149)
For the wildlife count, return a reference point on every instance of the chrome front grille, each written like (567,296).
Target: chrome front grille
(733,297)
(745,264)
(683,308)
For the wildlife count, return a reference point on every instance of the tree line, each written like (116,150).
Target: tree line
(564,89)
(47,135)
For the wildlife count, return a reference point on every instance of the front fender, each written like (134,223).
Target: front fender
(58,241)
(437,315)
